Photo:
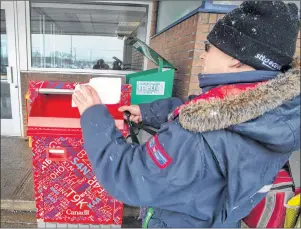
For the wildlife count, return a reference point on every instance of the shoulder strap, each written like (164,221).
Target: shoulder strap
(139,126)
(293,166)
(145,128)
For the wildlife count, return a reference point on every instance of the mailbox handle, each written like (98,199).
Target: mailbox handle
(55,91)
(56,154)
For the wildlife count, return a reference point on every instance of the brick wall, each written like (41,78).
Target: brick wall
(177,45)
(154,18)
(137,60)
(182,45)
(206,22)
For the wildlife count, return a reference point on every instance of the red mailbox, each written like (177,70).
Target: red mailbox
(66,190)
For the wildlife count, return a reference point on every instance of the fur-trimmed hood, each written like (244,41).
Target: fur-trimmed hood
(216,114)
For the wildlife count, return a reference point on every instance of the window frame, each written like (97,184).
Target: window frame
(207,6)
(26,54)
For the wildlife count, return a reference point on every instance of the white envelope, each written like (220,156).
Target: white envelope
(107,88)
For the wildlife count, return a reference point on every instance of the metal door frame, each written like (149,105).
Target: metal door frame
(12,127)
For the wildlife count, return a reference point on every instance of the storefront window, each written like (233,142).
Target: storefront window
(236,3)
(84,36)
(171,11)
(6,110)
(3,50)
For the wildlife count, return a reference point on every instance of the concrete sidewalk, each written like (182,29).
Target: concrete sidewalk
(16,170)
(14,219)
(17,192)
(23,219)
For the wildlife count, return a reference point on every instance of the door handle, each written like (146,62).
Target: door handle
(10,76)
(56,154)
(9,72)
(56,91)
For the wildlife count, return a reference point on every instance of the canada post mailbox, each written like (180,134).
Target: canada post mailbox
(66,189)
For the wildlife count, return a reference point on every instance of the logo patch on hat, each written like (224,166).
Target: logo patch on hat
(268,62)
(157,153)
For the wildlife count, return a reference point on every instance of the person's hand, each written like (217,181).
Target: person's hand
(85,97)
(135,112)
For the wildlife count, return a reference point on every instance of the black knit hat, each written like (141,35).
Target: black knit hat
(261,34)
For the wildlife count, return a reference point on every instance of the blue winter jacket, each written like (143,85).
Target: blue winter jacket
(210,166)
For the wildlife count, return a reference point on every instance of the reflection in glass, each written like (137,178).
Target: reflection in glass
(6,112)
(237,3)
(84,36)
(4,57)
(234,3)
(171,11)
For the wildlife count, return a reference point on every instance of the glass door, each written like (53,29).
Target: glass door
(10,107)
